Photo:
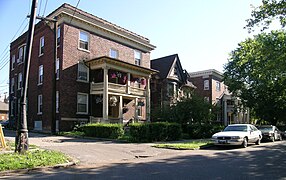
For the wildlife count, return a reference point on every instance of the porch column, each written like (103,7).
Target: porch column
(225,111)
(128,83)
(136,109)
(120,110)
(105,95)
(148,99)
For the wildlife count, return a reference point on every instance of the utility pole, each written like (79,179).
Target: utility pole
(22,140)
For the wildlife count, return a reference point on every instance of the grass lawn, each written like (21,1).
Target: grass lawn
(31,159)
(196,144)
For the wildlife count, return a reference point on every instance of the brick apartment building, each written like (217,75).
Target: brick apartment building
(102,72)
(210,85)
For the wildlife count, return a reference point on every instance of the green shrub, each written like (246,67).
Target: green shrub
(200,131)
(112,131)
(158,131)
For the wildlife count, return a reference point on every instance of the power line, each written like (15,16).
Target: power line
(72,16)
(40,8)
(45,8)
(5,64)
(4,56)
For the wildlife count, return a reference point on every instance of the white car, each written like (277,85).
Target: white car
(238,134)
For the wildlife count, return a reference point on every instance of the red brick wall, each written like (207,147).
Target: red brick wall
(67,85)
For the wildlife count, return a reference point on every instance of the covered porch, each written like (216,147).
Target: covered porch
(119,91)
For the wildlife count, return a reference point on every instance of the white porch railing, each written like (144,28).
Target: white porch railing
(117,88)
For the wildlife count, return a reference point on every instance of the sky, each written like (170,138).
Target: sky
(201,32)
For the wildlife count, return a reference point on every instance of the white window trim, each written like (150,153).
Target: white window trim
(116,52)
(40,83)
(57,68)
(41,45)
(40,103)
(20,85)
(21,60)
(88,42)
(208,85)
(12,85)
(13,61)
(58,36)
(135,59)
(57,101)
(80,80)
(218,86)
(77,112)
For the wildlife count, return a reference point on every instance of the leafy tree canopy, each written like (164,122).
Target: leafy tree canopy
(256,72)
(267,12)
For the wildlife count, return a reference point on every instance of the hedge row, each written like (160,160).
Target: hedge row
(112,131)
(152,132)
(197,131)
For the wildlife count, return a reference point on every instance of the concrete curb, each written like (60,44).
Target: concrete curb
(24,171)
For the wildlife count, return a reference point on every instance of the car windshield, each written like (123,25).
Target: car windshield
(265,128)
(236,128)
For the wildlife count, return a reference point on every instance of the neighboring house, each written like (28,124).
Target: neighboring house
(171,84)
(4,111)
(102,72)
(210,85)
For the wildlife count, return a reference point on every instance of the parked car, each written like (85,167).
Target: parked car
(270,132)
(4,123)
(238,134)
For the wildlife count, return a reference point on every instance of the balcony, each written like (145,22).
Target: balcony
(97,88)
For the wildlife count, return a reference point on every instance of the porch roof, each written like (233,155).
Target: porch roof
(105,60)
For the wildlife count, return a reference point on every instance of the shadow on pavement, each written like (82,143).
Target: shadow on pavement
(265,162)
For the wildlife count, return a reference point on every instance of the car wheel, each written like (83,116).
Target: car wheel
(258,141)
(244,143)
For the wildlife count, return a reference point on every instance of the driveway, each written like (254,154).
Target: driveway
(90,151)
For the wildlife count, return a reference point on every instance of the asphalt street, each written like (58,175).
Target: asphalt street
(112,160)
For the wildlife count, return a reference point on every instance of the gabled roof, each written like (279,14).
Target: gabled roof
(164,64)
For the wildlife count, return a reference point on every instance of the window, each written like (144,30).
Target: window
(82,72)
(57,69)
(12,108)
(207,99)
(170,89)
(20,80)
(41,75)
(113,53)
(42,44)
(59,36)
(12,85)
(139,111)
(83,40)
(206,85)
(57,101)
(21,54)
(82,103)
(40,104)
(218,87)
(137,57)
(13,62)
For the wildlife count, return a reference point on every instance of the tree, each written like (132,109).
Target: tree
(266,13)
(256,72)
